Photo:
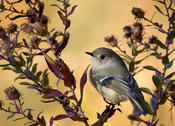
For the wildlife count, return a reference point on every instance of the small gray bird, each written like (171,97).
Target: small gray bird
(111,78)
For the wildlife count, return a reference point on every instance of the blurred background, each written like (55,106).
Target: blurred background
(91,22)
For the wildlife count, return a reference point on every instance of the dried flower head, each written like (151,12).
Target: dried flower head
(127,31)
(138,12)
(25,27)
(12,28)
(44,20)
(35,42)
(112,40)
(137,31)
(152,39)
(32,15)
(12,93)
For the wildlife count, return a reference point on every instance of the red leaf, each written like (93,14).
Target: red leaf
(61,116)
(52,92)
(82,84)
(61,70)
(72,10)
(58,117)
(53,66)
(83,79)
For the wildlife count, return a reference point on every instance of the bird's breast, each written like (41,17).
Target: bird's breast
(110,94)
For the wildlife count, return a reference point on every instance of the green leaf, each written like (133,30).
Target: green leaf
(29,116)
(156,55)
(45,80)
(146,90)
(56,5)
(7,68)
(146,105)
(163,100)
(30,60)
(34,68)
(165,59)
(138,61)
(126,57)
(172,16)
(170,83)
(4,65)
(160,44)
(131,66)
(159,10)
(134,50)
(37,77)
(141,50)
(157,82)
(25,83)
(42,121)
(169,76)
(22,61)
(171,36)
(150,68)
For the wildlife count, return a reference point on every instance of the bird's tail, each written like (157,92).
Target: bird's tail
(140,106)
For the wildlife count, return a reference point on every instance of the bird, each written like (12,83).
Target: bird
(111,78)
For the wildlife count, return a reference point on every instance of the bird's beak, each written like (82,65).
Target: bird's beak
(89,53)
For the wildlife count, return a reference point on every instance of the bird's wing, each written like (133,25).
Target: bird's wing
(127,86)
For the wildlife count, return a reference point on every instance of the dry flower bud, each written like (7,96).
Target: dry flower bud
(12,28)
(152,39)
(32,16)
(35,42)
(137,31)
(25,27)
(12,93)
(138,12)
(44,20)
(128,31)
(112,40)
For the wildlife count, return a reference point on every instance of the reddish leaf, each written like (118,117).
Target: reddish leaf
(83,79)
(61,70)
(72,10)
(62,17)
(52,92)
(67,75)
(53,66)
(78,118)
(59,117)
(82,84)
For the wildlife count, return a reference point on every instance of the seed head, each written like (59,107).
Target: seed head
(112,40)
(138,12)
(127,31)
(12,93)
(152,39)
(12,28)
(35,42)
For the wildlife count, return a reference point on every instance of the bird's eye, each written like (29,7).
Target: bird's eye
(102,57)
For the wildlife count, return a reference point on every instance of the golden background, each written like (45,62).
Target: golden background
(91,22)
